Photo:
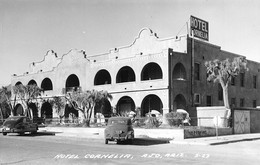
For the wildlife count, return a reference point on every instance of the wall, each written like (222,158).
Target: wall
(204,51)
(206,132)
(146,48)
(206,116)
(246,120)
(255,121)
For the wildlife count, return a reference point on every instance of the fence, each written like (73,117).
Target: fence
(144,122)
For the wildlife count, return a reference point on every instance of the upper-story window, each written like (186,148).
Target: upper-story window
(254,81)
(242,102)
(209,100)
(233,102)
(179,72)
(197,71)
(151,71)
(102,77)
(254,104)
(72,83)
(46,84)
(233,81)
(242,79)
(32,82)
(125,74)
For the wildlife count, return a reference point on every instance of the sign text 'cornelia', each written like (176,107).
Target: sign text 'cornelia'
(199,27)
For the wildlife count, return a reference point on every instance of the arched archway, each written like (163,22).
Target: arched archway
(46,110)
(125,74)
(125,105)
(151,71)
(104,108)
(179,102)
(34,110)
(151,102)
(18,110)
(18,83)
(102,77)
(70,110)
(179,72)
(72,83)
(32,82)
(46,84)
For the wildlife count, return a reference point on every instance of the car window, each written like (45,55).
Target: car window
(118,122)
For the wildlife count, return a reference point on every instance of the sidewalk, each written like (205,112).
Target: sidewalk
(98,133)
(218,140)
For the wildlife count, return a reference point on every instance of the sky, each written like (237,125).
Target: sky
(29,28)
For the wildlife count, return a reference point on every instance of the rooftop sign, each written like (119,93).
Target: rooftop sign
(199,27)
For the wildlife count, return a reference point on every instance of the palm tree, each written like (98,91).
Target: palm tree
(27,94)
(86,102)
(5,97)
(59,104)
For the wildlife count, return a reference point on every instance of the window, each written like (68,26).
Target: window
(242,102)
(233,81)
(242,79)
(233,102)
(197,71)
(254,103)
(209,101)
(196,98)
(254,81)
(220,93)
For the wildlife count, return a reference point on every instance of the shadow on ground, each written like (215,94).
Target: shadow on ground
(145,142)
(35,134)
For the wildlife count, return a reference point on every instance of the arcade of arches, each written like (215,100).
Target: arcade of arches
(150,102)
(150,71)
(125,104)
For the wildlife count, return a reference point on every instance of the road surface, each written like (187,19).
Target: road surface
(51,149)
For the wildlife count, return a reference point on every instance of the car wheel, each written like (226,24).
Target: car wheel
(4,133)
(106,141)
(130,141)
(33,132)
(21,133)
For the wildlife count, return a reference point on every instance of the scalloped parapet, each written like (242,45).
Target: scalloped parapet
(147,42)
(49,62)
(52,61)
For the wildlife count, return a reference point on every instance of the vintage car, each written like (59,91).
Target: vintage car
(19,124)
(119,129)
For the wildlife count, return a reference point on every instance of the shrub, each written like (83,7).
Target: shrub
(138,122)
(174,118)
(152,122)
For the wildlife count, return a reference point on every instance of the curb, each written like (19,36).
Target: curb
(216,142)
(98,134)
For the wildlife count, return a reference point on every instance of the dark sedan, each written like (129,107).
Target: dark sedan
(19,124)
(119,129)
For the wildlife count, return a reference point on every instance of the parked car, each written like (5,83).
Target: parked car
(119,129)
(19,124)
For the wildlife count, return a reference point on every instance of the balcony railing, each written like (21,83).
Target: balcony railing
(71,89)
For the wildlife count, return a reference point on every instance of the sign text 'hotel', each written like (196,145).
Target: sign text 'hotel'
(199,27)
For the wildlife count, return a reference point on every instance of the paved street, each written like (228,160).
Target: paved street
(50,149)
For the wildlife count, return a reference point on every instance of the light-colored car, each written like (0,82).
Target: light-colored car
(119,129)
(19,124)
